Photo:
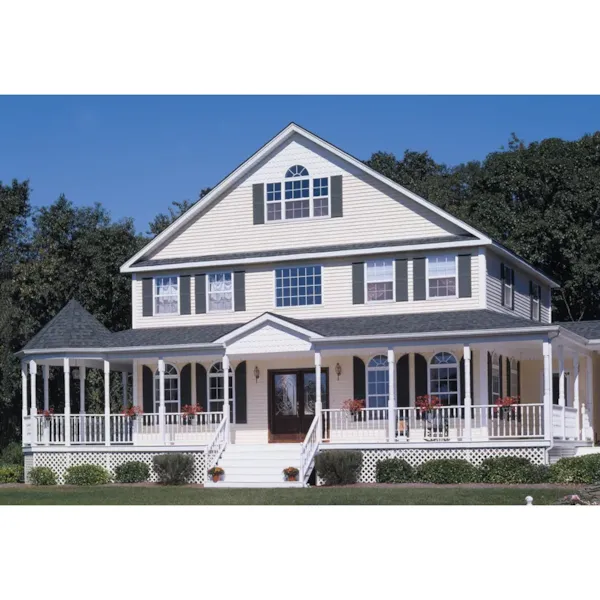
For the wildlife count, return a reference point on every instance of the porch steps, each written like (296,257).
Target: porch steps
(258,465)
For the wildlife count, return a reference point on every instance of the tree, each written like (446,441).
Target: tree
(162,220)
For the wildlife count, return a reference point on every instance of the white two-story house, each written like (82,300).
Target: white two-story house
(301,281)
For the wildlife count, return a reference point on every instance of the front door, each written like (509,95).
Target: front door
(292,397)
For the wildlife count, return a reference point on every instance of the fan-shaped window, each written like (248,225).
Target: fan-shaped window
(443,378)
(378,382)
(296,171)
(216,389)
(172,402)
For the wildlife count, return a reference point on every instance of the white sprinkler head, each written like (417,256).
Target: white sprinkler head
(529,500)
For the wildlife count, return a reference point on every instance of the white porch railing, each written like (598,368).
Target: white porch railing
(218,443)
(309,448)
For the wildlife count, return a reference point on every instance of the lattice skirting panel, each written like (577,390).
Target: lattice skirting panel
(416,456)
(59,462)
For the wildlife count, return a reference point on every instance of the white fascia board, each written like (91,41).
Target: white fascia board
(523,265)
(266,318)
(305,256)
(264,151)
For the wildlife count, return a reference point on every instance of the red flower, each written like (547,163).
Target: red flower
(132,411)
(191,409)
(427,403)
(353,406)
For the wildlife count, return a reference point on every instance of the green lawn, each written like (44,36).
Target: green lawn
(341,495)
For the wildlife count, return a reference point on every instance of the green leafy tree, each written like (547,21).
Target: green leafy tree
(163,220)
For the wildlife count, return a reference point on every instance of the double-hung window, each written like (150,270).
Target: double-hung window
(166,295)
(536,295)
(441,276)
(220,292)
(508,286)
(172,403)
(298,286)
(380,280)
(514,378)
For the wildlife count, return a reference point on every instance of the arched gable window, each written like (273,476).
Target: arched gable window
(172,400)
(378,383)
(296,171)
(216,388)
(444,378)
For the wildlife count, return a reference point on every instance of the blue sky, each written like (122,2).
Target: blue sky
(137,154)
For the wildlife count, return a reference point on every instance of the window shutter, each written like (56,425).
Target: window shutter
(241,411)
(258,203)
(360,387)
(464,276)
(201,387)
(512,289)
(489,376)
(500,374)
(147,291)
(358,283)
(461,378)
(201,293)
(185,306)
(531,299)
(185,380)
(401,280)
(419,280)
(519,379)
(421,388)
(337,209)
(239,291)
(147,390)
(508,377)
(502,284)
(402,382)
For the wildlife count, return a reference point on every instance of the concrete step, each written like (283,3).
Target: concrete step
(259,462)
(252,484)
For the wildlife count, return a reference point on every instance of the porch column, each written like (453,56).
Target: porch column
(106,403)
(226,399)
(319,400)
(82,374)
(67,375)
(587,415)
(26,433)
(468,400)
(576,395)
(33,380)
(161,401)
(124,386)
(547,354)
(46,374)
(391,394)
(481,414)
(561,388)
(134,385)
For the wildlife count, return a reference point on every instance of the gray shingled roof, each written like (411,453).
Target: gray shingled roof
(170,336)
(311,250)
(72,327)
(586,329)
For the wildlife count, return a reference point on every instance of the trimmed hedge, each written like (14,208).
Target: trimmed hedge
(42,476)
(11,473)
(133,471)
(12,454)
(512,469)
(447,470)
(173,469)
(577,469)
(394,470)
(338,467)
(87,475)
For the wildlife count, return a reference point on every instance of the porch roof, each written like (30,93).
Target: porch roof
(587,329)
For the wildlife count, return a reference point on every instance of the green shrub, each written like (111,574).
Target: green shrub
(394,470)
(87,475)
(338,467)
(512,469)
(133,471)
(447,470)
(173,469)
(42,476)
(12,454)
(11,473)
(578,469)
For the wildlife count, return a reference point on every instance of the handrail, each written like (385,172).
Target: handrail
(218,444)
(309,448)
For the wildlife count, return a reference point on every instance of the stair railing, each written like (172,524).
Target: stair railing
(217,445)
(309,449)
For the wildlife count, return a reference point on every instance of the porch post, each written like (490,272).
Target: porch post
(391,394)
(25,437)
(161,401)
(587,416)
(576,395)
(106,403)
(226,399)
(82,375)
(46,374)
(561,387)
(124,386)
(468,400)
(319,400)
(33,379)
(67,375)
(547,353)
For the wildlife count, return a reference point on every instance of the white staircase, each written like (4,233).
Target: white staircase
(257,465)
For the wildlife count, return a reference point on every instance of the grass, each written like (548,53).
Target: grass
(128,494)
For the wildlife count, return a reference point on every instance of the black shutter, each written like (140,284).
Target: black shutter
(239,290)
(461,377)
(500,375)
(401,280)
(241,410)
(420,375)
(419,283)
(508,377)
(555,383)
(148,389)
(201,387)
(201,293)
(258,203)
(359,374)
(464,276)
(519,379)
(147,297)
(358,283)
(502,283)
(185,302)
(489,376)
(402,382)
(512,289)
(531,299)
(337,208)
(186,384)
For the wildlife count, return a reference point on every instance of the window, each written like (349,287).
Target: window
(443,378)
(514,378)
(380,280)
(508,285)
(220,292)
(300,200)
(298,286)
(495,379)
(216,389)
(555,387)
(441,276)
(166,295)
(172,403)
(536,295)
(378,383)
